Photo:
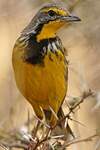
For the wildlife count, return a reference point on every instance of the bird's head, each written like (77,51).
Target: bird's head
(48,20)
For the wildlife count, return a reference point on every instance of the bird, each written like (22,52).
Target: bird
(39,61)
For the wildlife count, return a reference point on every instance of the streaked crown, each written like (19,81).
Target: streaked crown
(48,20)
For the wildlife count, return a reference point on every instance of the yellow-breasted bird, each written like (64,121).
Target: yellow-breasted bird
(39,61)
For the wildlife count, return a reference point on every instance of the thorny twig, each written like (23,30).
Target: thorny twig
(83,97)
(88,139)
(8,146)
(41,142)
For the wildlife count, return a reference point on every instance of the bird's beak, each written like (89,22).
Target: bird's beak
(70,18)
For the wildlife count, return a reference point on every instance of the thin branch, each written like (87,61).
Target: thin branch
(42,122)
(88,139)
(2,146)
(76,121)
(13,145)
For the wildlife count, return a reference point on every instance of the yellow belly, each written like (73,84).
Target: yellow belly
(42,85)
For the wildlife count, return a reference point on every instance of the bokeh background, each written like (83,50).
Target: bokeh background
(82,41)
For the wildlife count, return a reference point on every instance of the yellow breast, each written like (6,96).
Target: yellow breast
(41,84)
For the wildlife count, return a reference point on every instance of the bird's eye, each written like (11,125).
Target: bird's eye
(51,13)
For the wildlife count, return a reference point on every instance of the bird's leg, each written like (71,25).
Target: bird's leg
(34,131)
(54,116)
(48,131)
(34,140)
